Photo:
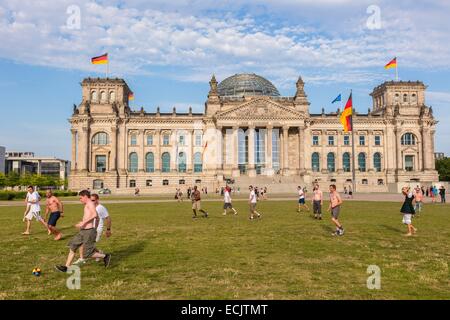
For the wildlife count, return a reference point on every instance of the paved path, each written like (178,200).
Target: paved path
(386,197)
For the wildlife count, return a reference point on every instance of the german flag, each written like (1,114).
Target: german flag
(131,96)
(346,115)
(103,59)
(391,64)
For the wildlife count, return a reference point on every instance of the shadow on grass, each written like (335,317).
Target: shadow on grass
(125,252)
(328,228)
(397,230)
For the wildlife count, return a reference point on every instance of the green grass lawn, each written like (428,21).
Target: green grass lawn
(160,252)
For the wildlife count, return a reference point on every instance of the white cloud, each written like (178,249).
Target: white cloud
(141,39)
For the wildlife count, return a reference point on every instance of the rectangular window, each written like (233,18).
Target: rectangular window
(165,182)
(181,140)
(409,163)
(198,181)
(198,140)
(346,140)
(132,183)
(100,163)
(166,139)
(331,140)
(150,140)
(362,140)
(315,140)
(182,181)
(365,181)
(148,183)
(378,140)
(133,140)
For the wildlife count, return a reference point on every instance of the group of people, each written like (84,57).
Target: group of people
(90,228)
(433,192)
(317,203)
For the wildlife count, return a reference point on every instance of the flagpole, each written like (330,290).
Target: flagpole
(396,71)
(353,148)
(107,69)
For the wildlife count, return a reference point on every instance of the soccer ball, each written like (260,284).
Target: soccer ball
(36,272)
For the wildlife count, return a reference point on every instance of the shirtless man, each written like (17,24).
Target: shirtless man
(56,210)
(86,236)
(335,209)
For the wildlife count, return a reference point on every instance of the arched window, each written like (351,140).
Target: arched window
(133,162)
(397,98)
(94,96)
(377,161)
(149,162)
(181,162)
(362,162)
(165,159)
(315,162)
(112,96)
(413,98)
(100,138)
(331,162)
(102,96)
(408,139)
(405,98)
(198,166)
(346,162)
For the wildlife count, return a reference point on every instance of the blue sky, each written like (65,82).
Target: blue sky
(167,51)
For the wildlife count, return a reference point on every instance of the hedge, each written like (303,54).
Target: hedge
(10,195)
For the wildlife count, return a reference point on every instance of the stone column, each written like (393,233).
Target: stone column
(269,163)
(141,154)
(113,160)
(157,157)
(427,149)
(430,153)
(234,152)
(190,159)
(84,149)
(73,164)
(219,149)
(286,150)
(398,150)
(251,151)
(301,149)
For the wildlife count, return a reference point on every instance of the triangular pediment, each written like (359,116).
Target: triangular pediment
(260,109)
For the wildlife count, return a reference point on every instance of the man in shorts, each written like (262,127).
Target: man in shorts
(252,200)
(56,210)
(227,201)
(335,208)
(86,236)
(103,218)
(317,202)
(34,210)
(196,204)
(301,199)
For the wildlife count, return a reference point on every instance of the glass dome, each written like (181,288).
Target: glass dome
(246,84)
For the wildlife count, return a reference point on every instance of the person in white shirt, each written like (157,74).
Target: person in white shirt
(252,200)
(227,201)
(301,199)
(34,211)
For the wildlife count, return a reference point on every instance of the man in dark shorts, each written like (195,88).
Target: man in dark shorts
(56,210)
(335,209)
(196,204)
(86,236)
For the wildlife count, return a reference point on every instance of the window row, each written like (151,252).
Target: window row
(102,138)
(99,184)
(165,162)
(103,96)
(346,162)
(332,140)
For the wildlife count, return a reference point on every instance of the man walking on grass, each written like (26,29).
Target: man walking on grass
(252,200)
(227,201)
(56,210)
(301,199)
(86,236)
(335,208)
(33,210)
(196,204)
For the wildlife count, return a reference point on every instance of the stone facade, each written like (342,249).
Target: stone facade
(255,135)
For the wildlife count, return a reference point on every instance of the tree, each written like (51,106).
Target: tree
(443,167)
(3,181)
(13,179)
